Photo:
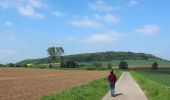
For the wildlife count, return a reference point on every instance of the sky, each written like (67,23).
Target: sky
(29,27)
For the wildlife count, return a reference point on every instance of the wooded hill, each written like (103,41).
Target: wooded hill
(99,56)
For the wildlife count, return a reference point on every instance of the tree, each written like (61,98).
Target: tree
(109,66)
(17,65)
(11,65)
(51,52)
(68,64)
(55,53)
(2,65)
(50,66)
(63,64)
(123,65)
(155,65)
(59,52)
(24,65)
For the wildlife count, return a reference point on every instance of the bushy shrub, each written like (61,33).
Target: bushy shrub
(2,65)
(155,65)
(11,65)
(18,65)
(24,65)
(63,64)
(68,64)
(123,65)
(71,64)
(50,66)
(43,66)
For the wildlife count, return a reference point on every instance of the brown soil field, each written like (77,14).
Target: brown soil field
(31,84)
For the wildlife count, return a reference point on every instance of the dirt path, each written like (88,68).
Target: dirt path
(126,89)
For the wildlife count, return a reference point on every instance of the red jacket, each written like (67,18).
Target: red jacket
(112,78)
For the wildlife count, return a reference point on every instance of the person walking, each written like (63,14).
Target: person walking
(112,80)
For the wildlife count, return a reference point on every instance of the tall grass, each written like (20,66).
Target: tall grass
(94,90)
(153,89)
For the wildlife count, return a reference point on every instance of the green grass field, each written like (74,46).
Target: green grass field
(140,63)
(155,83)
(160,76)
(94,90)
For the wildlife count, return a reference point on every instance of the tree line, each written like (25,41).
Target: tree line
(124,65)
(56,54)
(111,55)
(57,59)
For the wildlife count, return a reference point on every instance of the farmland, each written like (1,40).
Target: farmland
(31,84)
(160,76)
(94,90)
(156,83)
(139,63)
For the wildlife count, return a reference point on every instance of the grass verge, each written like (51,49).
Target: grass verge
(94,90)
(153,90)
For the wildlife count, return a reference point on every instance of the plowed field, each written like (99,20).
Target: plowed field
(31,84)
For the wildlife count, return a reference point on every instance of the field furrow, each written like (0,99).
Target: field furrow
(31,84)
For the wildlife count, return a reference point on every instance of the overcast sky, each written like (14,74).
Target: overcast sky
(29,27)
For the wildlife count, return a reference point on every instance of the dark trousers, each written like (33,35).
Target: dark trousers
(112,89)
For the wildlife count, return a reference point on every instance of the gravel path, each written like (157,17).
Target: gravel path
(126,89)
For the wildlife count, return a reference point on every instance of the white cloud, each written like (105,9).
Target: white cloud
(133,2)
(58,13)
(148,30)
(29,11)
(107,18)
(86,22)
(111,18)
(8,24)
(6,4)
(109,37)
(16,3)
(102,6)
(24,7)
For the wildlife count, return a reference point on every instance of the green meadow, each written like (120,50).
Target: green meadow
(155,83)
(137,63)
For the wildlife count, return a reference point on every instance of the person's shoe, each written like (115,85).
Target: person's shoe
(112,95)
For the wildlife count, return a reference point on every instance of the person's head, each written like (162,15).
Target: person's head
(111,71)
